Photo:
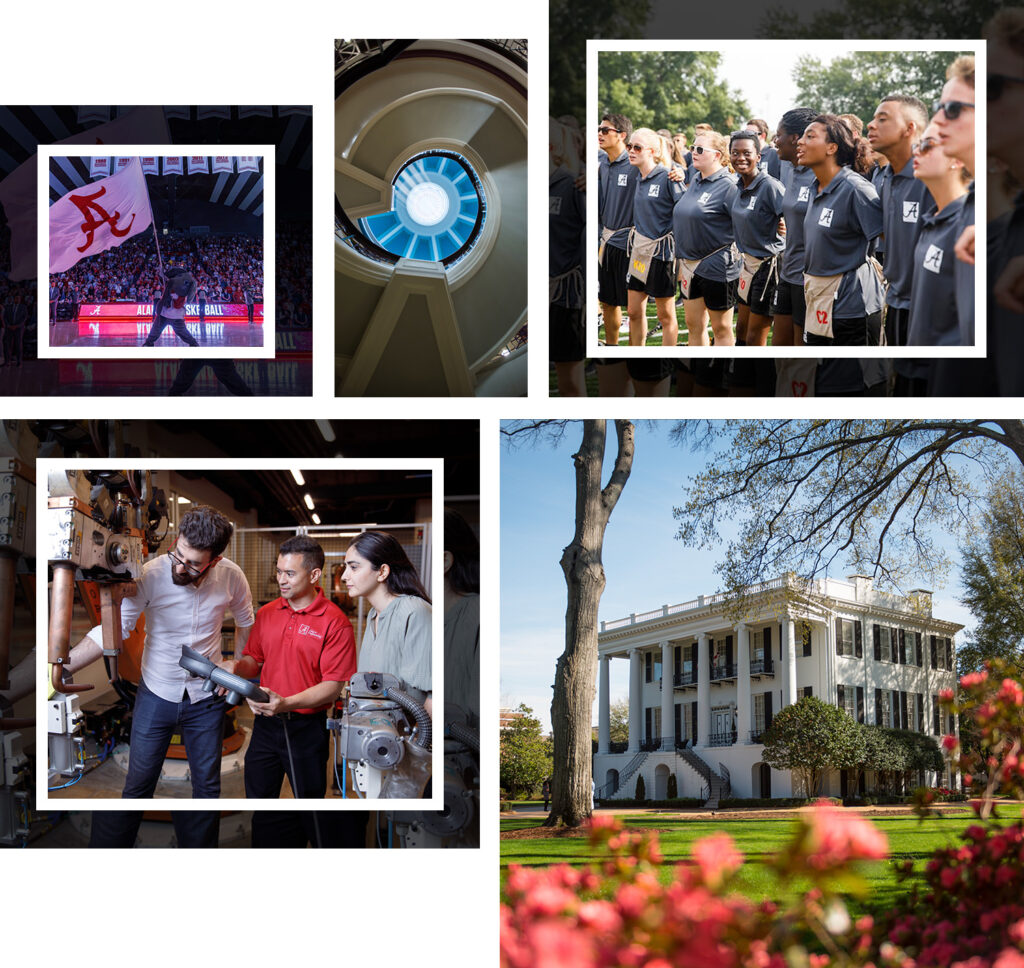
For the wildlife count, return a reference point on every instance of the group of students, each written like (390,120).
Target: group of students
(824,237)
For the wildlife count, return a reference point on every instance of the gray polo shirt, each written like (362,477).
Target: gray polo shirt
(839,224)
(616,187)
(904,200)
(963,276)
(1006,327)
(566,221)
(755,216)
(656,197)
(799,188)
(770,162)
(933,316)
(702,223)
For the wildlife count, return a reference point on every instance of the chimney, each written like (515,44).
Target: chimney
(920,601)
(861,586)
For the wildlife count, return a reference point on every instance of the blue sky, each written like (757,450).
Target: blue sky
(645,566)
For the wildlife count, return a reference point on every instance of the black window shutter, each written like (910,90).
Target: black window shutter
(677,720)
(858,639)
(877,635)
(949,654)
(904,712)
(780,641)
(728,653)
(693,721)
(935,663)
(767,709)
(767,642)
(903,646)
(840,695)
(918,651)
(677,661)
(647,723)
(878,705)
(839,636)
(860,704)
(648,666)
(920,712)
(936,715)
(894,646)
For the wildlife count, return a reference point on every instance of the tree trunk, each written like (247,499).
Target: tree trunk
(576,670)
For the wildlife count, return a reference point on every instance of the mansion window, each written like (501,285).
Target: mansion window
(848,638)
(850,699)
(941,652)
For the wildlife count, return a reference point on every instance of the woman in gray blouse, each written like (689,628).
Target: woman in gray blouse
(397,636)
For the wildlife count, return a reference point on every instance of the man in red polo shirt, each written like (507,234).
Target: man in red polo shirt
(303,649)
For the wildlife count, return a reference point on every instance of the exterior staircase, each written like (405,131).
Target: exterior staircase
(610,789)
(717,784)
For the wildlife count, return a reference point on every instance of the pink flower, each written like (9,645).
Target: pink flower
(1009,958)
(717,857)
(973,679)
(949,743)
(838,837)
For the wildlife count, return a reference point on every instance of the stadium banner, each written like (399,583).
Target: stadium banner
(97,217)
(219,312)
(248,163)
(214,111)
(223,163)
(99,167)
(198,164)
(151,165)
(178,111)
(173,165)
(94,113)
(121,163)
(300,109)
(256,111)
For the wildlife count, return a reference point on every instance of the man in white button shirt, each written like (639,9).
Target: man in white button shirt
(185,595)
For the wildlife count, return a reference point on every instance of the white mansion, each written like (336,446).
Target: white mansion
(703,686)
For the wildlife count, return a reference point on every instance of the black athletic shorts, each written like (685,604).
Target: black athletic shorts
(650,371)
(716,295)
(789,301)
(708,372)
(860,331)
(611,277)
(565,334)
(761,290)
(661,280)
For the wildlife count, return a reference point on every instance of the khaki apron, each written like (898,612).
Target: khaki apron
(641,253)
(820,296)
(687,268)
(606,234)
(751,263)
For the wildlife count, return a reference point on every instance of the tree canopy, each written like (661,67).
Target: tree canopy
(810,738)
(878,496)
(525,757)
(668,89)
(856,83)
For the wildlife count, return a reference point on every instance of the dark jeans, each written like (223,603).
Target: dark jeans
(154,722)
(223,370)
(160,323)
(267,762)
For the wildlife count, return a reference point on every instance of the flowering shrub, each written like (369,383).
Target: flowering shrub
(618,914)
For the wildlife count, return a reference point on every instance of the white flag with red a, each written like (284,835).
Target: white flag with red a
(97,217)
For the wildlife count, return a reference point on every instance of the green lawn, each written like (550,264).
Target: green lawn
(909,839)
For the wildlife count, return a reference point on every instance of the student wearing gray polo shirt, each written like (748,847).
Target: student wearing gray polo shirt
(896,126)
(702,222)
(655,198)
(616,187)
(842,219)
(788,304)
(933,317)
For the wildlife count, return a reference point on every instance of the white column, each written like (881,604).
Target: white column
(668,673)
(742,683)
(788,662)
(636,687)
(703,689)
(604,718)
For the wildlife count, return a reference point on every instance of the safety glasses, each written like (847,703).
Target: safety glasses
(951,109)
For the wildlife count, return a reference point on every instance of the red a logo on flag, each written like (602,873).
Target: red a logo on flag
(86,204)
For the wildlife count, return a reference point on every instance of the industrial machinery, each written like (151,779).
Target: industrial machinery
(384,736)
(100,526)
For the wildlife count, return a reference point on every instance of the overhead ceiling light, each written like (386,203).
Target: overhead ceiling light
(326,430)
(184,500)
(316,519)
(309,501)
(299,479)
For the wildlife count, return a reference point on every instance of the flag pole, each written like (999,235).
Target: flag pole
(152,221)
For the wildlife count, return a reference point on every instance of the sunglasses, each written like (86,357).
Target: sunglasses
(924,146)
(997,84)
(604,129)
(700,149)
(951,109)
(635,147)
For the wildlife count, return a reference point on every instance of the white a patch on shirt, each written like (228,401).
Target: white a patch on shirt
(705,197)
(554,205)
(910,210)
(804,194)
(624,180)
(653,191)
(825,218)
(753,202)
(933,259)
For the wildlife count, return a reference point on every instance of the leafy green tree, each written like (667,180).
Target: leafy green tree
(668,89)
(856,83)
(571,23)
(810,738)
(993,579)
(880,18)
(525,757)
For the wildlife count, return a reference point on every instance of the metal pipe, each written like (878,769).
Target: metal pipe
(110,622)
(62,599)
(8,560)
